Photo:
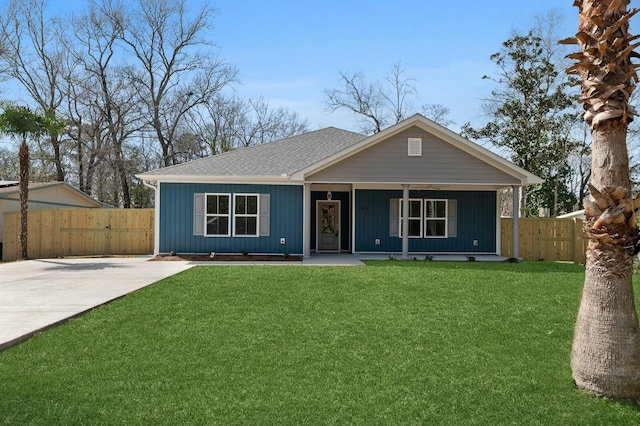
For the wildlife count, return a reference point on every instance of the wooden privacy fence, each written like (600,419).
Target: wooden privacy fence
(80,232)
(546,239)
(88,232)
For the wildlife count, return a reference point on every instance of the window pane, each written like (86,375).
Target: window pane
(212,226)
(246,226)
(252,205)
(217,225)
(429,205)
(223,204)
(212,204)
(241,226)
(414,228)
(240,204)
(414,209)
(436,228)
(252,226)
(436,208)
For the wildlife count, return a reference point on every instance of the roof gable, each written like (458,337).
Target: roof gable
(438,163)
(442,134)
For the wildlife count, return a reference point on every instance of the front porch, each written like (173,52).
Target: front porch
(367,220)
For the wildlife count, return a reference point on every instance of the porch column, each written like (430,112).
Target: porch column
(405,221)
(306,220)
(516,221)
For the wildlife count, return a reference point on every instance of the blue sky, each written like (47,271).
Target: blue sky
(290,51)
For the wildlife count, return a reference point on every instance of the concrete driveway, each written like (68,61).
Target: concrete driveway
(38,294)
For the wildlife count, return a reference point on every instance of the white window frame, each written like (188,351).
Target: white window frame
(414,147)
(246,215)
(419,218)
(208,215)
(444,219)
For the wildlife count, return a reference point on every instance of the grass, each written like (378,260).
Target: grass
(391,343)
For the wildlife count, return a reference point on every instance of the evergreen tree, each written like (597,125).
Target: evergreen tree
(530,110)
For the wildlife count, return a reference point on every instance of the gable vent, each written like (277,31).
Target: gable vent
(415,147)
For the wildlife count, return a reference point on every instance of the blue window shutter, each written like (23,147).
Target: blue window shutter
(394,217)
(265,215)
(198,214)
(452,218)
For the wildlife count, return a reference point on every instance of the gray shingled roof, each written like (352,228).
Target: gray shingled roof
(285,156)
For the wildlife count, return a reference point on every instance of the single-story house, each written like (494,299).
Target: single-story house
(413,188)
(42,195)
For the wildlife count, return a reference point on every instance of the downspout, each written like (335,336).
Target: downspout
(156,215)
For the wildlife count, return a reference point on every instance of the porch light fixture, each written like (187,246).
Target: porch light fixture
(329,196)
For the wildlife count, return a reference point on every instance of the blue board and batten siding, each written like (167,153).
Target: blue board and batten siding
(177,217)
(475,220)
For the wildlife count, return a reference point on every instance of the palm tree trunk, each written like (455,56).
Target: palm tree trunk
(606,348)
(23,159)
(605,358)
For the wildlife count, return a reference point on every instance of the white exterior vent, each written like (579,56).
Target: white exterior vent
(415,147)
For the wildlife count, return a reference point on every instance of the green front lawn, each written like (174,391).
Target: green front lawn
(390,343)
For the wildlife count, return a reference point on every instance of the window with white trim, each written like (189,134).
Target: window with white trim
(217,215)
(435,219)
(245,215)
(415,218)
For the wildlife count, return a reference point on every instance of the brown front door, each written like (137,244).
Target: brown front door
(328,226)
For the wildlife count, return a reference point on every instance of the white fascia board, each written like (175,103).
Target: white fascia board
(434,187)
(263,180)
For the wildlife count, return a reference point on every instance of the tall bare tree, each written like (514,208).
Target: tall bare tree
(438,113)
(380,103)
(258,123)
(34,58)
(107,90)
(606,349)
(231,123)
(178,69)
